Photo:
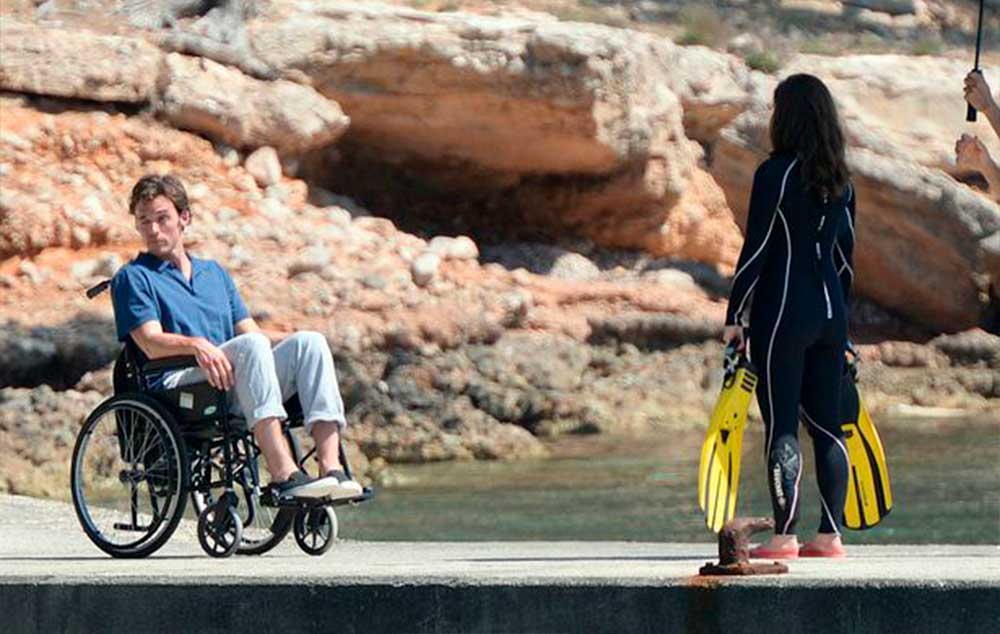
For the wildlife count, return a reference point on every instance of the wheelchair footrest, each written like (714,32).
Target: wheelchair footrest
(367,494)
(268,498)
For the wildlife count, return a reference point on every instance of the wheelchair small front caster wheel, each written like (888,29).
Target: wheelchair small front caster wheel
(315,529)
(219,530)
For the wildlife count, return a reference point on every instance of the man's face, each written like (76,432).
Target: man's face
(160,226)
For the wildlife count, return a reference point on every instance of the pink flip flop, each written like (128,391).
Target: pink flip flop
(811,550)
(763,552)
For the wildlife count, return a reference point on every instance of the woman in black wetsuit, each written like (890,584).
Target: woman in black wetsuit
(790,293)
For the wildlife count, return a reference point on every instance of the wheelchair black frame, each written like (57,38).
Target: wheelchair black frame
(200,438)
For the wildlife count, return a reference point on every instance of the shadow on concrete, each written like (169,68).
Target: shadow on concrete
(92,558)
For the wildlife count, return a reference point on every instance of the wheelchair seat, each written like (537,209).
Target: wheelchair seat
(192,404)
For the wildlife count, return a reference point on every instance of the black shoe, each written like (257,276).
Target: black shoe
(300,485)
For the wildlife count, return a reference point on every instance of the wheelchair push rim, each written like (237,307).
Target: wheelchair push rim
(129,476)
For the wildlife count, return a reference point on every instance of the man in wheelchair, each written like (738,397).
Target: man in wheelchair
(171,303)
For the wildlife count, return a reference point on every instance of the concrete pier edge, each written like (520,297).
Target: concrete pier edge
(54,580)
(207,606)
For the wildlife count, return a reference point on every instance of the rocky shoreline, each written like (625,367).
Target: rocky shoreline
(498,400)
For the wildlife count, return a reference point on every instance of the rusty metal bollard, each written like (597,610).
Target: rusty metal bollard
(734,549)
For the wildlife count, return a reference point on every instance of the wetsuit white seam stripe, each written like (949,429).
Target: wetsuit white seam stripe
(747,295)
(767,237)
(781,310)
(850,223)
(774,332)
(843,448)
(829,515)
(847,459)
(760,250)
(843,257)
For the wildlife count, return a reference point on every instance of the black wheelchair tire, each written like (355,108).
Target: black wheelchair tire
(233,521)
(311,521)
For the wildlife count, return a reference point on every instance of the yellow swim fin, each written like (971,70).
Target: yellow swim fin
(869,494)
(719,469)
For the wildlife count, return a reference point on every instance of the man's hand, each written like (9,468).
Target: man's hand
(215,364)
(971,154)
(977,93)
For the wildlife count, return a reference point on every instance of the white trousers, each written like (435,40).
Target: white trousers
(266,377)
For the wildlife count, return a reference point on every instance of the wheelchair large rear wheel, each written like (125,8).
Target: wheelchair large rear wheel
(264,527)
(129,476)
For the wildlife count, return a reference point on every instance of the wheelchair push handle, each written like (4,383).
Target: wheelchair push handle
(98,288)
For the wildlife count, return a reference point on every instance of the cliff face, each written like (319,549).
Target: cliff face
(510,126)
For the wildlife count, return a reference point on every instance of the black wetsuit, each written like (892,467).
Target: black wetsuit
(793,281)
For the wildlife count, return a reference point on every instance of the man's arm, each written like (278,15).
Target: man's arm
(157,344)
(250,325)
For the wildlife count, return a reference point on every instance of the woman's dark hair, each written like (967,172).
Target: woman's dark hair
(805,123)
(152,185)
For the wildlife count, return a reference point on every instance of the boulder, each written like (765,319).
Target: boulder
(264,166)
(227,106)
(714,87)
(922,237)
(907,107)
(76,63)
(575,126)
(424,268)
(970,347)
(457,248)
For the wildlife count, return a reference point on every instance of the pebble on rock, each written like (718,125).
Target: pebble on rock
(424,268)
(264,165)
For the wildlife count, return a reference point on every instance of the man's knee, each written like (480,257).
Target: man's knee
(310,341)
(252,343)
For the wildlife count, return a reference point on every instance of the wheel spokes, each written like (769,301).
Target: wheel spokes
(126,502)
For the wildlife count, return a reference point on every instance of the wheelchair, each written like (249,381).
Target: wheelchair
(142,452)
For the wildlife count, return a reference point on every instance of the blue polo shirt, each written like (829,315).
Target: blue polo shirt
(148,288)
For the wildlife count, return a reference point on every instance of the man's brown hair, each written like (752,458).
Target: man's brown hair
(152,185)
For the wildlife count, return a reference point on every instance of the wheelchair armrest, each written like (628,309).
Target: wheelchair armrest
(169,363)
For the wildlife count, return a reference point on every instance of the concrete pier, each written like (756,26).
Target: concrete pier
(52,579)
